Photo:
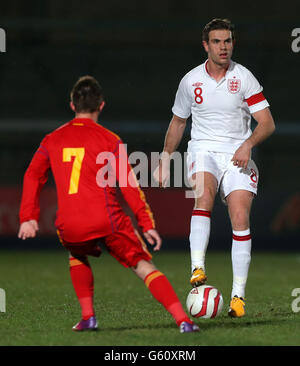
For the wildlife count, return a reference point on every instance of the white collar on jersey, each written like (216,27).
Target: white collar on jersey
(230,68)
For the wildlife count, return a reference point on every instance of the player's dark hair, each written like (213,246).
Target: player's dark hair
(217,24)
(87,95)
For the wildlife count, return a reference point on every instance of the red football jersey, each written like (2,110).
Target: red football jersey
(87,206)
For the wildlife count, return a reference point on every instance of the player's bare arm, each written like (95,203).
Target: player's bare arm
(265,127)
(172,140)
(28,229)
(174,134)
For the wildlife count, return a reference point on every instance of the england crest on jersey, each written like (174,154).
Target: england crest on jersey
(234,85)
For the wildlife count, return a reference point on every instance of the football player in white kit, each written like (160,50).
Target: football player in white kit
(221,96)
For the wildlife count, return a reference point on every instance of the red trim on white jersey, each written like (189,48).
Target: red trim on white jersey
(206,62)
(254,99)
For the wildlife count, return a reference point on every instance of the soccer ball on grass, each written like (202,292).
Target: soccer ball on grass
(204,302)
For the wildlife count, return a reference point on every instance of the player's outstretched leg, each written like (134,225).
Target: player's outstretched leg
(199,236)
(204,188)
(239,205)
(83,283)
(241,258)
(162,290)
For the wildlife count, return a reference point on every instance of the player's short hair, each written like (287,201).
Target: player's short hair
(87,95)
(217,24)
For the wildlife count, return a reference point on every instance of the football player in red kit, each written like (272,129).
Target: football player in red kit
(88,210)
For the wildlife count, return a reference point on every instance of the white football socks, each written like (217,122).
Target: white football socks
(240,252)
(199,237)
(241,258)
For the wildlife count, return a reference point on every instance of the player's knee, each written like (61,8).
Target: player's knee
(205,200)
(240,220)
(143,268)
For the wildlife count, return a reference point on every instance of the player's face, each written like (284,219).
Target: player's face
(219,46)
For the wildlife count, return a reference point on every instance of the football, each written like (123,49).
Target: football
(204,302)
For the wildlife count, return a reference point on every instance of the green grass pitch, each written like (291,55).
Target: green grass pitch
(41,306)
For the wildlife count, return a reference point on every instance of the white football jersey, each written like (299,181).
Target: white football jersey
(221,111)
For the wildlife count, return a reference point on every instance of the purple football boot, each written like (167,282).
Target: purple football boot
(89,324)
(186,327)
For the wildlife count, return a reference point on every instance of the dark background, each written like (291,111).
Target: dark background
(139,51)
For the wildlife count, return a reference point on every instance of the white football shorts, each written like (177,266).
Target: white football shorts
(229,176)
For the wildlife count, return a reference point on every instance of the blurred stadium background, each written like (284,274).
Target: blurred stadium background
(139,50)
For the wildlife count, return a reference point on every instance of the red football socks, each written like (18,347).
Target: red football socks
(157,283)
(163,292)
(83,283)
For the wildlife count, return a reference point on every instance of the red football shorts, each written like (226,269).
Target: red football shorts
(125,245)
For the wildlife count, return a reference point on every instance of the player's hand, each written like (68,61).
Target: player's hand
(162,173)
(242,156)
(153,238)
(28,229)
